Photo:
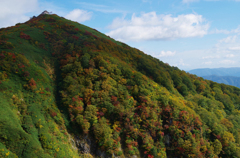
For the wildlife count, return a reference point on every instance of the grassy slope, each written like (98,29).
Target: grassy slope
(27,125)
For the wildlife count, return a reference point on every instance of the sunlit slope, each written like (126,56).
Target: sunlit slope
(70,91)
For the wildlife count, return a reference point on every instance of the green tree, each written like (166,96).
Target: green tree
(217,146)
(91,114)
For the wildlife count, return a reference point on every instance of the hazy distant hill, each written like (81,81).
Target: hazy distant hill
(230,76)
(230,80)
(234,71)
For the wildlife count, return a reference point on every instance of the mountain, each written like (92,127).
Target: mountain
(229,76)
(234,71)
(69,91)
(229,80)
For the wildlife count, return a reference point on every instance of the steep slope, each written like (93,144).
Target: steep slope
(70,91)
(229,80)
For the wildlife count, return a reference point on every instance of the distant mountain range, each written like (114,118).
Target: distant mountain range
(234,71)
(230,76)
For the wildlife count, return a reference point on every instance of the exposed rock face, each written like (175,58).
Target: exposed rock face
(84,144)
(167,138)
(45,12)
(87,145)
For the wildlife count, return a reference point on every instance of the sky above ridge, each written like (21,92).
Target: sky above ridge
(188,34)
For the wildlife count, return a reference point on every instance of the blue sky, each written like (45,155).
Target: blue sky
(188,34)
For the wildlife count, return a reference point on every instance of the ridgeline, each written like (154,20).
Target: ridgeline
(69,91)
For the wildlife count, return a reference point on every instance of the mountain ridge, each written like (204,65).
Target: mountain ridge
(70,91)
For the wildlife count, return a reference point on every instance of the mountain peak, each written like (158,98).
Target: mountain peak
(46,12)
(68,90)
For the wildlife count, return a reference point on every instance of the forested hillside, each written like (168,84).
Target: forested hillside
(70,91)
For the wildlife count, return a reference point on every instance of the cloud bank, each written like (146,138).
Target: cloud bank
(189,1)
(14,11)
(150,26)
(166,54)
(79,15)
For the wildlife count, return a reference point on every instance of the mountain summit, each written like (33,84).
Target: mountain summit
(68,90)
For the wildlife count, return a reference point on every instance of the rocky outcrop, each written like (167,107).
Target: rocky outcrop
(87,145)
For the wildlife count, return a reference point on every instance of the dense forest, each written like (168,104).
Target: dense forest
(68,90)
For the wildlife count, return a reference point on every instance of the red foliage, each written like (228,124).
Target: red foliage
(101,113)
(166,126)
(21,66)
(135,144)
(63,62)
(197,122)
(75,37)
(32,82)
(114,100)
(162,134)
(88,33)
(2,56)
(50,20)
(218,137)
(150,156)
(181,149)
(53,114)
(79,98)
(129,87)
(14,57)
(182,134)
(47,89)
(78,109)
(96,37)
(73,99)
(24,36)
(167,109)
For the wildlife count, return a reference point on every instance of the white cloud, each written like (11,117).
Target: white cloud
(166,54)
(234,48)
(182,63)
(229,39)
(100,8)
(189,1)
(79,15)
(229,55)
(233,31)
(211,57)
(146,1)
(14,11)
(207,62)
(228,62)
(150,26)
